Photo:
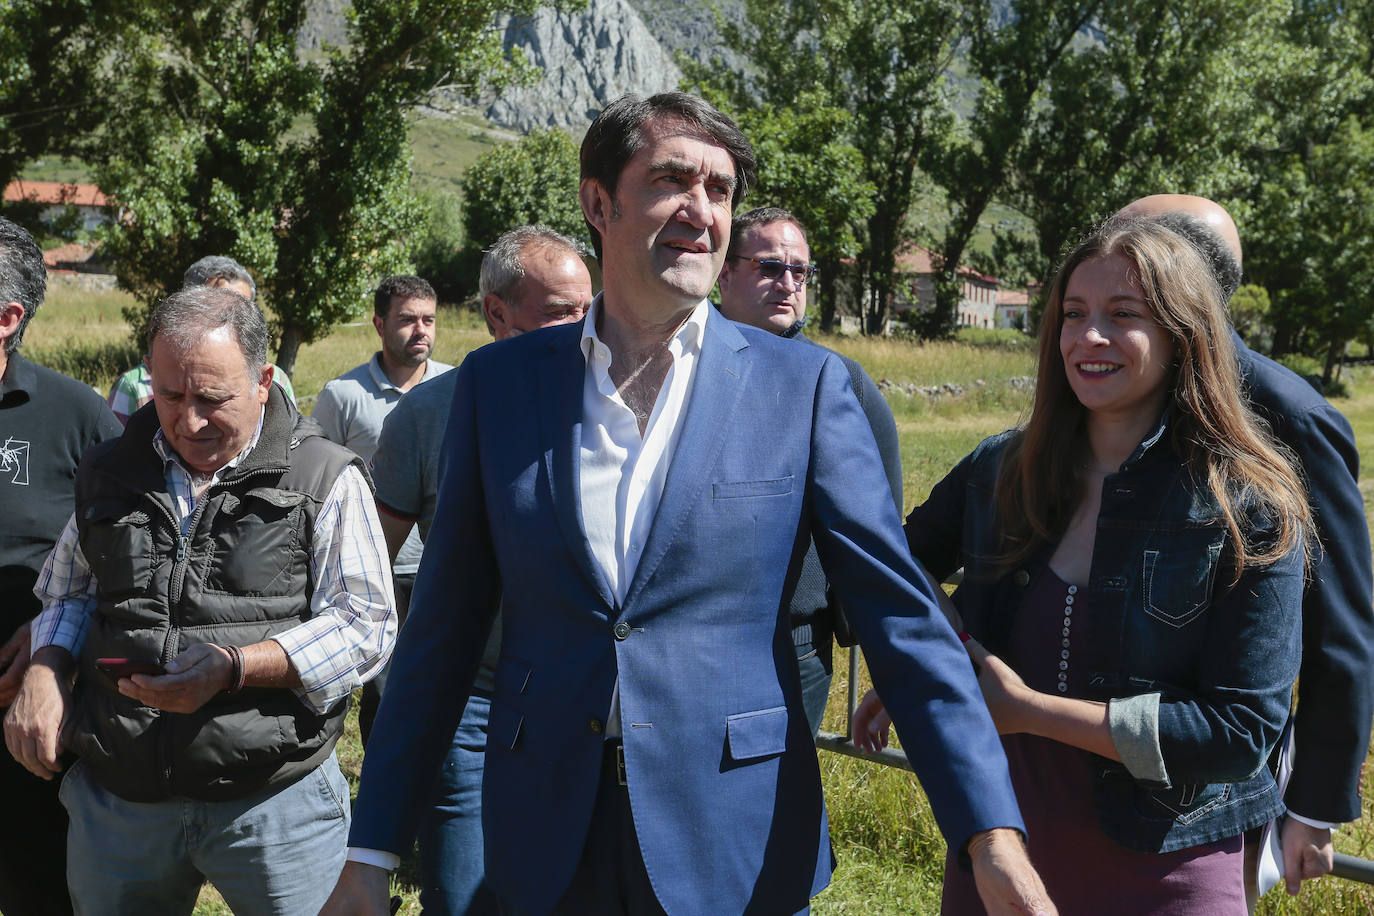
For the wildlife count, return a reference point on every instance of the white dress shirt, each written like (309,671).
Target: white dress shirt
(620,473)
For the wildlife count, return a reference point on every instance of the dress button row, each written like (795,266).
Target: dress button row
(1063,685)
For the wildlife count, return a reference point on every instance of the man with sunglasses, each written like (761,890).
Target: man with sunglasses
(763,283)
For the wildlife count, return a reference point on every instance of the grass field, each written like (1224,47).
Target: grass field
(890,853)
(443,147)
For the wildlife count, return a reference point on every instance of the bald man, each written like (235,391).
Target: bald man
(1336,695)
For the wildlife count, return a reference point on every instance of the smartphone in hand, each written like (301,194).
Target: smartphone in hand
(123,667)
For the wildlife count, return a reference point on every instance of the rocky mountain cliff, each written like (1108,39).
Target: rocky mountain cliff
(588,57)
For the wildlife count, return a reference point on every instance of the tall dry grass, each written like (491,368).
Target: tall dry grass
(83,334)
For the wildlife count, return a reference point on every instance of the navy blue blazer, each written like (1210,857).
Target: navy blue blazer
(723,779)
(1335,686)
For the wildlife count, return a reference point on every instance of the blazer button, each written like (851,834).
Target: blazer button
(595,727)
(622,630)
(1021,577)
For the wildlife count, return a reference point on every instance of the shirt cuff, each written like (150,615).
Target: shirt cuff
(62,624)
(1311,822)
(386,860)
(1134,725)
(319,658)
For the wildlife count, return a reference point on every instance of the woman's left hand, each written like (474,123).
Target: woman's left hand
(1008,698)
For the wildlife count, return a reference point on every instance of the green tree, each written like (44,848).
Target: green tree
(230,141)
(883,62)
(1303,205)
(439,248)
(533,180)
(55,65)
(807,167)
(1157,101)
(1249,311)
(1324,269)
(1012,61)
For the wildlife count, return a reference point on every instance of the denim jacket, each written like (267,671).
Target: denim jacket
(1197,674)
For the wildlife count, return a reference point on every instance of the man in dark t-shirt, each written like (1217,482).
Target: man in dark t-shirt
(46,421)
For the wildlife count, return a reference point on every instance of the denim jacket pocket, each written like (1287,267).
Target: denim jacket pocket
(1177,583)
(1152,819)
(1182,804)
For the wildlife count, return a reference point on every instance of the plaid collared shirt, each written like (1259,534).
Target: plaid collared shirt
(352,628)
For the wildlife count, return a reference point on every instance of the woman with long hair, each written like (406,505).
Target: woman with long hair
(1133,573)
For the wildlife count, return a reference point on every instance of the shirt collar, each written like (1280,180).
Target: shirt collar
(170,457)
(19,376)
(1153,438)
(687,338)
(379,378)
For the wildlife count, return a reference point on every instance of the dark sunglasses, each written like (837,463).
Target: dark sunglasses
(771,269)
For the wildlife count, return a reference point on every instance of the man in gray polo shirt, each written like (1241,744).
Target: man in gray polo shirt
(532,277)
(351,409)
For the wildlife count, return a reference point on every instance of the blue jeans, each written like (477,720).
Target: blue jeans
(451,852)
(276,852)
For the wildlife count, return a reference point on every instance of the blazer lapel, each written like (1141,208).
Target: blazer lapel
(720,379)
(560,418)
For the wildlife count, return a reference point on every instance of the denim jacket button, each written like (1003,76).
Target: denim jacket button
(1021,577)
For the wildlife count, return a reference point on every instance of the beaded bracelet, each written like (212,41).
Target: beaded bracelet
(236,668)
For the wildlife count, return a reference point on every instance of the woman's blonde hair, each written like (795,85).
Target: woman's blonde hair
(1224,445)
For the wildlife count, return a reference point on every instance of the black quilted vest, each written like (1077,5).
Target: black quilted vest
(239,576)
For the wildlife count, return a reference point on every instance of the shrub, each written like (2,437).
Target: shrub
(533,180)
(439,256)
(1002,338)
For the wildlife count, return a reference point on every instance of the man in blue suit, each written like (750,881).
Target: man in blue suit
(642,529)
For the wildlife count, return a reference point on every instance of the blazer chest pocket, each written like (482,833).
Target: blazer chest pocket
(761,733)
(778,486)
(1177,582)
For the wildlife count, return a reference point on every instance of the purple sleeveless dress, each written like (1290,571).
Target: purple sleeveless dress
(1086,873)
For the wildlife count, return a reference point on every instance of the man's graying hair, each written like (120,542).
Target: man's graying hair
(186,316)
(218,267)
(1214,250)
(501,266)
(23,276)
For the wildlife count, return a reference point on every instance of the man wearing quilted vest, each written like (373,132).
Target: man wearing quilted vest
(219,591)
